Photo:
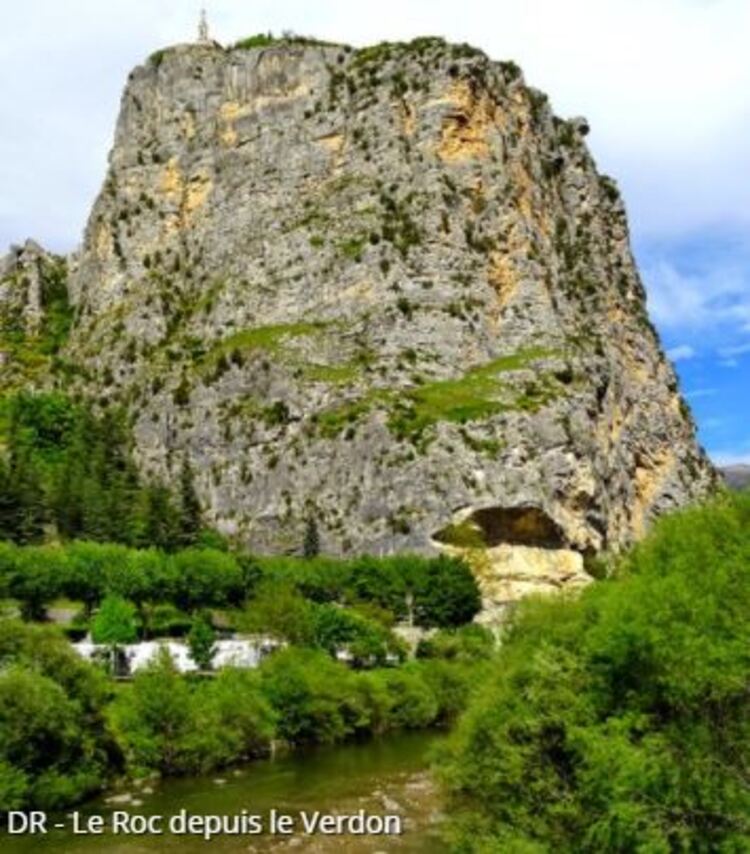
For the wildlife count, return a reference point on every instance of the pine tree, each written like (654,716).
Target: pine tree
(8,505)
(311,545)
(30,506)
(191,516)
(162,519)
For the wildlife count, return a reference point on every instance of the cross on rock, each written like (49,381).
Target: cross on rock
(203,36)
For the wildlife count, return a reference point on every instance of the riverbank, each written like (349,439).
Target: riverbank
(387,775)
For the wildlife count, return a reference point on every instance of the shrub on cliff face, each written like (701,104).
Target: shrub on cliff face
(621,722)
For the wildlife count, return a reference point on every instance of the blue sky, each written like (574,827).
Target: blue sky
(699,297)
(663,83)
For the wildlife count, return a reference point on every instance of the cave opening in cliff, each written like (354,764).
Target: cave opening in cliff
(494,526)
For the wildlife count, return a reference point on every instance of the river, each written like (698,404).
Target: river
(386,776)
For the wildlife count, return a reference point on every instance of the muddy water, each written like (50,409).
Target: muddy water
(385,776)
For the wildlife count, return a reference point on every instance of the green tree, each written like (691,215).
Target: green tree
(341,629)
(8,504)
(161,526)
(315,698)
(154,721)
(202,641)
(311,545)
(34,582)
(54,747)
(412,702)
(206,577)
(27,498)
(240,714)
(280,611)
(445,593)
(191,515)
(114,625)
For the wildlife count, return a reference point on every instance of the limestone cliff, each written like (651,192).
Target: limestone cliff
(386,288)
(35,315)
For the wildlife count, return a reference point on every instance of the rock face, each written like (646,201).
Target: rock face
(384,288)
(34,313)
(21,275)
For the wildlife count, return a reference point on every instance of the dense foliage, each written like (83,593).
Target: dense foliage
(54,743)
(67,470)
(621,722)
(434,591)
(177,725)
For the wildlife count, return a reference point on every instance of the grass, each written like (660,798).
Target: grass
(342,374)
(258,40)
(476,395)
(268,338)
(269,39)
(333,421)
(352,248)
(157,57)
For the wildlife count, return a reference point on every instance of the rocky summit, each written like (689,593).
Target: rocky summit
(384,288)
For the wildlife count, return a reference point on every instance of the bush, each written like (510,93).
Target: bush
(153,721)
(280,611)
(620,722)
(258,40)
(54,747)
(315,698)
(369,643)
(467,643)
(168,724)
(412,703)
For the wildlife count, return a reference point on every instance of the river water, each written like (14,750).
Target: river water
(386,776)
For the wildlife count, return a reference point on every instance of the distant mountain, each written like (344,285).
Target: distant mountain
(737,477)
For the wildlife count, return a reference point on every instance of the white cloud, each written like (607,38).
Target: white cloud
(731,352)
(681,353)
(714,296)
(663,84)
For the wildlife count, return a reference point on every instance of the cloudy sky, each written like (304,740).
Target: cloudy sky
(665,85)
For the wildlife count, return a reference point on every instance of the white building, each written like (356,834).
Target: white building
(237,652)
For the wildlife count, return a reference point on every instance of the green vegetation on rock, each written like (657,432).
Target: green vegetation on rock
(68,471)
(258,40)
(268,338)
(31,349)
(479,393)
